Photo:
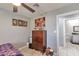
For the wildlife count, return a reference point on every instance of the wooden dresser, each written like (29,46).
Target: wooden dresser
(39,39)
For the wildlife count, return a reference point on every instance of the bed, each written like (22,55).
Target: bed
(9,50)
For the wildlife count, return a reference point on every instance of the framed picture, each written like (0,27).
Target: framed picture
(14,22)
(22,23)
(40,22)
(75,28)
(18,22)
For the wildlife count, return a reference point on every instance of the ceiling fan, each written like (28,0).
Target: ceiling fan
(15,8)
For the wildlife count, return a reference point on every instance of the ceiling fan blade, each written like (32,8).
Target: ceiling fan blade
(15,8)
(27,7)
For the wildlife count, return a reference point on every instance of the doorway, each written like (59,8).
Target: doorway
(61,33)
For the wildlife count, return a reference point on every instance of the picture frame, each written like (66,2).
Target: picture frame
(40,22)
(18,22)
(75,28)
(14,22)
(22,23)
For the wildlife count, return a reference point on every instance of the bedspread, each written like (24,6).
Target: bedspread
(9,50)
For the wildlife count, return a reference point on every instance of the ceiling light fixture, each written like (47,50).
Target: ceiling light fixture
(16,4)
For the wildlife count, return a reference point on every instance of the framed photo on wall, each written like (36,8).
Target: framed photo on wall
(14,22)
(40,22)
(75,28)
(22,23)
(18,22)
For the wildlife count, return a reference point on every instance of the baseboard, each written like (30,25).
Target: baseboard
(23,47)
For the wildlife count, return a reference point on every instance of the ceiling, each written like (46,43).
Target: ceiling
(43,8)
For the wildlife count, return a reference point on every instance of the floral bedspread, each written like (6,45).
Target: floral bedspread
(9,50)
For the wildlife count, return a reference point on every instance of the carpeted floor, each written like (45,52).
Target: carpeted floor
(30,52)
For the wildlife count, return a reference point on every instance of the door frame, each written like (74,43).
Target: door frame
(58,17)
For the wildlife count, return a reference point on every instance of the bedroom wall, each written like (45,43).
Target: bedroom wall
(50,27)
(18,36)
(51,24)
(70,22)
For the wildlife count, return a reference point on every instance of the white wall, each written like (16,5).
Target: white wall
(69,27)
(13,34)
(51,24)
(51,30)
(61,31)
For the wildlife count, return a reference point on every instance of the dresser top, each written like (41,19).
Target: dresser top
(38,30)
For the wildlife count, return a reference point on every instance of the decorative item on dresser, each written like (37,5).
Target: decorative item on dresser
(39,39)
